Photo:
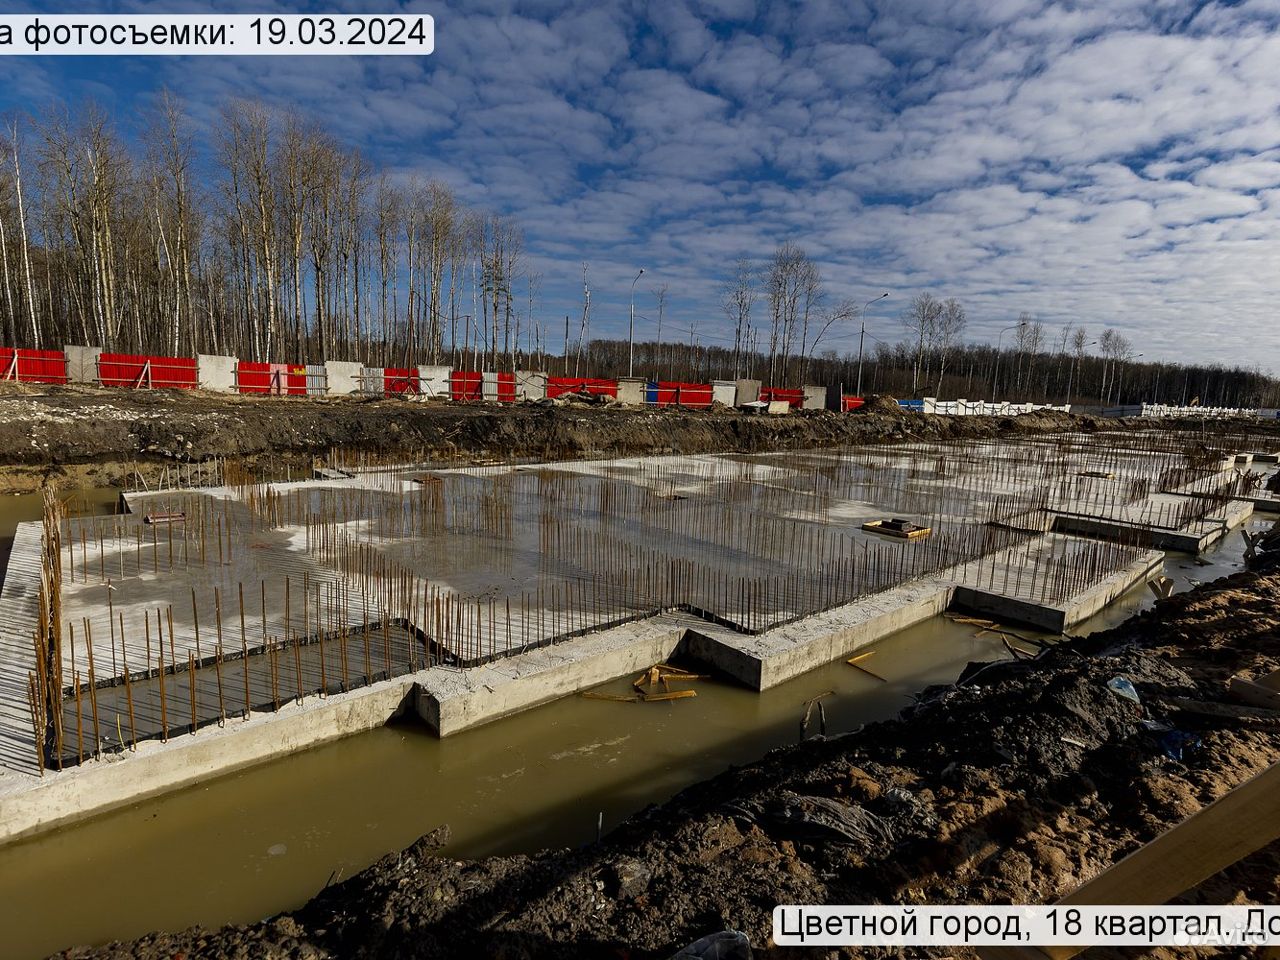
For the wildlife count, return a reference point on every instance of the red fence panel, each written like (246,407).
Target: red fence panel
(698,395)
(296,381)
(794,397)
(400,380)
(253,377)
(466,385)
(558,386)
(506,388)
(848,403)
(278,379)
(144,370)
(33,366)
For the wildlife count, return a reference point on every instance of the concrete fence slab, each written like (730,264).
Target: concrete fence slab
(216,373)
(342,377)
(433,381)
(82,363)
(530,385)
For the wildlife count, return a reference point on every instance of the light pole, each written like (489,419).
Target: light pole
(1125,360)
(995,376)
(1072,375)
(862,336)
(631,333)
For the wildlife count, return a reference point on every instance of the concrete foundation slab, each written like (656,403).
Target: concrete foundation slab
(471,542)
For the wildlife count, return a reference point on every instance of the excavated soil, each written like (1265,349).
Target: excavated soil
(1013,786)
(81,436)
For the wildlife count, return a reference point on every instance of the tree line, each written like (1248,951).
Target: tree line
(974,371)
(270,240)
(284,245)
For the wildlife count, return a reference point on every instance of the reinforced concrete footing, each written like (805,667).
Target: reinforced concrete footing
(743,564)
(451,700)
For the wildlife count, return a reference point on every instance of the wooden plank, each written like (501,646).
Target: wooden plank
(880,527)
(1260,692)
(869,673)
(1206,843)
(673,695)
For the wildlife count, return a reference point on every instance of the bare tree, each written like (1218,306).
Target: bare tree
(387,204)
(1028,339)
(169,159)
(1114,347)
(793,285)
(920,319)
(33,315)
(660,296)
(947,330)
(1079,341)
(11,314)
(737,298)
(844,311)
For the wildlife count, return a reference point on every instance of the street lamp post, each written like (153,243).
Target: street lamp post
(1125,360)
(862,336)
(995,376)
(631,333)
(1072,374)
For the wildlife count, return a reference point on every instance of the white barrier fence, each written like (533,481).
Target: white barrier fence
(1168,410)
(979,408)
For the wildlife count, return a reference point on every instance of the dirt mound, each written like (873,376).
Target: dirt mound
(878,403)
(77,436)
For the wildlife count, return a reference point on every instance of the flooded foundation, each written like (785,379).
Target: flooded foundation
(459,597)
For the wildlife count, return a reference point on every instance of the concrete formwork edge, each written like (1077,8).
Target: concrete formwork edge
(100,785)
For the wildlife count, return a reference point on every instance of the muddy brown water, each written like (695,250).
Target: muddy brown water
(251,844)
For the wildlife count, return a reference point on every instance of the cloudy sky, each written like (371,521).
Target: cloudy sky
(1112,163)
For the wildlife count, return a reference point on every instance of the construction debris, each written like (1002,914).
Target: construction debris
(853,662)
(1261,691)
(897,527)
(654,686)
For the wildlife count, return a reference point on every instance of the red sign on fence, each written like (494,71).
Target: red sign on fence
(296,381)
(33,366)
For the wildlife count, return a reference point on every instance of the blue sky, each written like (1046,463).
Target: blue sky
(1104,163)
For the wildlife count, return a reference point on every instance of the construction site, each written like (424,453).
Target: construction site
(224,615)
